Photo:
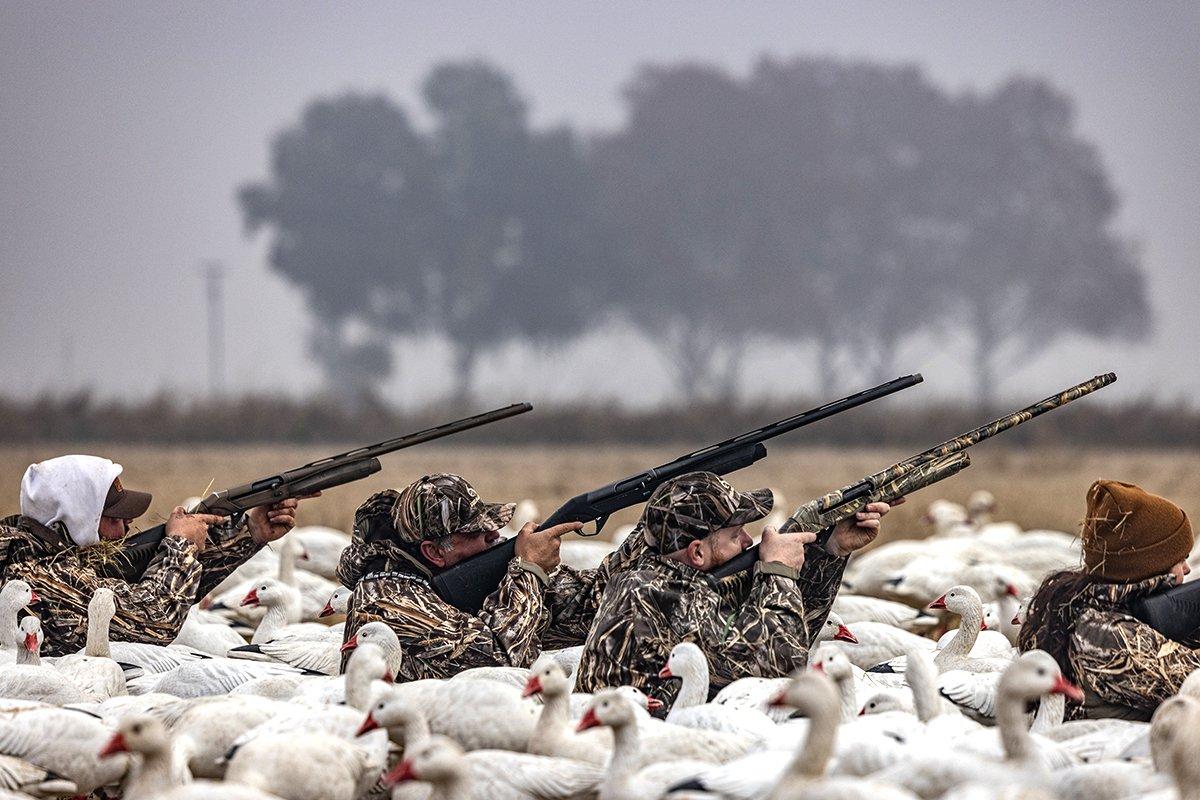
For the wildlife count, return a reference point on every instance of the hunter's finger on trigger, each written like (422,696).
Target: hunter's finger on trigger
(565,528)
(209,519)
(807,536)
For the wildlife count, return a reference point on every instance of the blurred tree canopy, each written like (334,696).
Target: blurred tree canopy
(845,205)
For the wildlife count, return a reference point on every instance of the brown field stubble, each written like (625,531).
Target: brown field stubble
(1037,488)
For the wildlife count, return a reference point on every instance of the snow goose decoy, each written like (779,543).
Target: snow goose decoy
(65,742)
(158,769)
(554,735)
(15,596)
(94,670)
(690,709)
(30,679)
(964,601)
(627,778)
(493,774)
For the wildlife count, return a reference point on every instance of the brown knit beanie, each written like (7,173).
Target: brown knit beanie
(1130,534)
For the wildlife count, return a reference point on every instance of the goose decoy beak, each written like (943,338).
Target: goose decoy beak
(588,720)
(1065,687)
(115,745)
(532,686)
(400,773)
(844,635)
(369,724)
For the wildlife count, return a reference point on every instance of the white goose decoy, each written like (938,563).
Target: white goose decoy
(492,774)
(209,790)
(205,728)
(29,679)
(282,605)
(207,677)
(314,766)
(873,643)
(94,670)
(366,668)
(154,659)
(18,775)
(332,690)
(213,638)
(626,778)
(323,546)
(479,715)
(929,773)
(64,741)
(767,774)
(554,734)
(15,596)
(854,608)
(158,768)
(964,601)
(690,709)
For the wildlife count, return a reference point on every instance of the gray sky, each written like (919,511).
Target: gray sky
(125,128)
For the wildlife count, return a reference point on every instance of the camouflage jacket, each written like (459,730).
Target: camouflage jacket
(1125,667)
(523,615)
(65,577)
(755,624)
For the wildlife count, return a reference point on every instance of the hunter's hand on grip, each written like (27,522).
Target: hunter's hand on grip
(784,548)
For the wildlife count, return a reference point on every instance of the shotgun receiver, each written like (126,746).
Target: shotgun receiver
(467,584)
(139,549)
(923,469)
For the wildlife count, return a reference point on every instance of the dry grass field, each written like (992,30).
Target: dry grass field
(1041,488)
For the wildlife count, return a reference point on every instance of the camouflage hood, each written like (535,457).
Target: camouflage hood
(1120,595)
(376,546)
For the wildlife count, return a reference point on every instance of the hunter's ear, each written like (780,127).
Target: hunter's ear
(695,553)
(433,554)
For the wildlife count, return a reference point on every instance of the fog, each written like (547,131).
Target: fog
(126,130)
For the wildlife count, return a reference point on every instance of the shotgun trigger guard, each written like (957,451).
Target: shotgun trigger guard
(599,525)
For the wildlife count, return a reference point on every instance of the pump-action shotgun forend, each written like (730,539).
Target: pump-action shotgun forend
(923,469)
(138,550)
(467,584)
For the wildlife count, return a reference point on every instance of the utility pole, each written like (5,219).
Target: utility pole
(214,284)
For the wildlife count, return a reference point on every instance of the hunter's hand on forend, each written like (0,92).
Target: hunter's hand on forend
(860,530)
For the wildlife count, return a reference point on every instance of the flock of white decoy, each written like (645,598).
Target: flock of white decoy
(247,703)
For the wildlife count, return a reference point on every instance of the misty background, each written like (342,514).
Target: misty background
(142,141)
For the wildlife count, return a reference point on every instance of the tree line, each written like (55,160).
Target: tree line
(848,206)
(330,425)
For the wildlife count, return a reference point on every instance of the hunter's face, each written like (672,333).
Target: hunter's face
(725,544)
(112,529)
(468,544)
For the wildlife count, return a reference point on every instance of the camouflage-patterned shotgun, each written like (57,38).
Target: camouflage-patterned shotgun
(924,469)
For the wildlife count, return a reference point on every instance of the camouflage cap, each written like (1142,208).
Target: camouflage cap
(438,505)
(694,505)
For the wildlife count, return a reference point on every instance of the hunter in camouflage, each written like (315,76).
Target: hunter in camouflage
(1134,544)
(74,513)
(755,624)
(402,537)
